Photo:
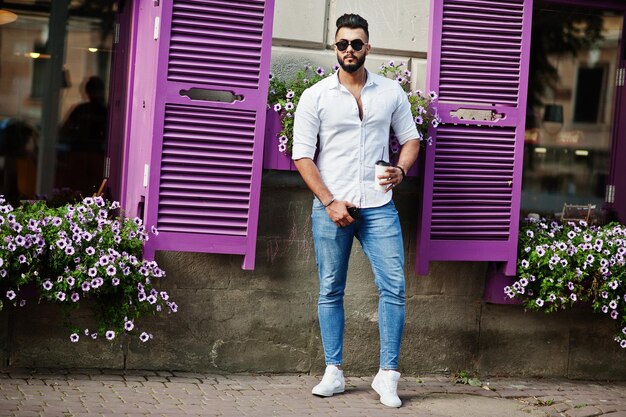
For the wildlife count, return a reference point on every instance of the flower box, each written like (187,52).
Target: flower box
(274,159)
(494,286)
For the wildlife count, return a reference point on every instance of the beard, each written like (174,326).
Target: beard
(350,68)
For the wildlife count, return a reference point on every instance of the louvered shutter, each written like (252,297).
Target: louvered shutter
(206,158)
(478,62)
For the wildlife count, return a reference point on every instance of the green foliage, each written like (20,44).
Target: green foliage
(78,252)
(465,377)
(560,265)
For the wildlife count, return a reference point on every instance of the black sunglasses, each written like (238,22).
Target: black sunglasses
(356,44)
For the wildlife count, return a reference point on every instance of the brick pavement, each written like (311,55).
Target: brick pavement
(78,393)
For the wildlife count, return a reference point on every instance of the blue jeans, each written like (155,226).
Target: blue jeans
(378,230)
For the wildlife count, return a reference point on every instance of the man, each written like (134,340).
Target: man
(351,113)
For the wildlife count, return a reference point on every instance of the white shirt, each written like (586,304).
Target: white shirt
(349,147)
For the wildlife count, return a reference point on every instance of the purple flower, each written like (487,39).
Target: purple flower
(104,260)
(22,303)
(173,306)
(289,106)
(90,251)
(152,299)
(319,71)
(115,282)
(277,107)
(419,120)
(111,270)
(573,297)
(524,264)
(539,302)
(88,201)
(74,337)
(10,294)
(540,251)
(129,326)
(613,304)
(623,344)
(613,285)
(92,272)
(61,296)
(605,309)
(433,95)
(614,314)
(141,296)
(70,281)
(99,201)
(144,337)
(75,297)
(22,259)
(530,233)
(69,250)
(61,243)
(47,285)
(86,286)
(605,294)
(110,335)
(164,296)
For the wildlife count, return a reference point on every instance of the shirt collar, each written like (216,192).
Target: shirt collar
(336,84)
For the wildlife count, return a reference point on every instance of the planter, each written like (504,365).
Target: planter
(494,286)
(274,159)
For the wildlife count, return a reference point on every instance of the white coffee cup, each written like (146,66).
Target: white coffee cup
(380,169)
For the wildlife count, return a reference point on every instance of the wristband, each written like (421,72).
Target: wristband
(329,203)
(402,170)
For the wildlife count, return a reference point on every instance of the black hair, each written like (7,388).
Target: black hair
(352,21)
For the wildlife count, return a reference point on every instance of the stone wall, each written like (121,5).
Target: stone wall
(265,320)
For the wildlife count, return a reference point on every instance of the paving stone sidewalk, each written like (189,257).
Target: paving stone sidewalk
(78,393)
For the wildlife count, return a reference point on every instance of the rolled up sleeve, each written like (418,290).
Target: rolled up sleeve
(402,120)
(306,127)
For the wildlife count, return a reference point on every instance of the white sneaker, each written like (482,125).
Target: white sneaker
(386,385)
(332,382)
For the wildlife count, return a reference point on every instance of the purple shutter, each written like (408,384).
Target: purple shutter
(205,157)
(478,61)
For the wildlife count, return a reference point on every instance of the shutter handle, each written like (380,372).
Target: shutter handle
(477,114)
(206,94)
(510,182)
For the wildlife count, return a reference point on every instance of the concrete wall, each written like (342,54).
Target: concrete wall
(265,320)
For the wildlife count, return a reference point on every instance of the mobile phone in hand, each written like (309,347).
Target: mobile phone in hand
(354,212)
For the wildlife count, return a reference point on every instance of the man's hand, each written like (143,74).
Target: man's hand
(338,213)
(392,176)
